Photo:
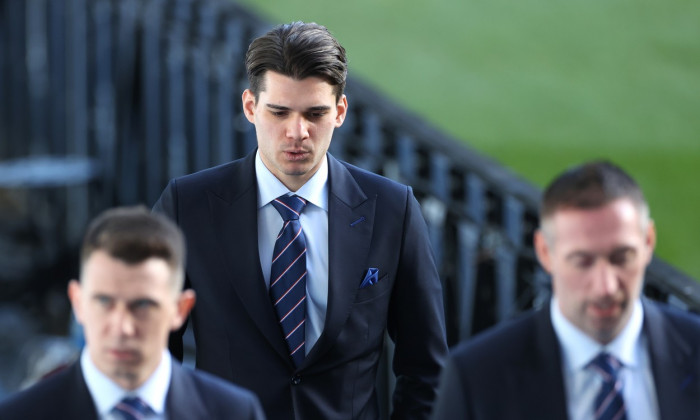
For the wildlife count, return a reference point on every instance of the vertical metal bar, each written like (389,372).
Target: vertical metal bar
(475,205)
(58,47)
(373,139)
(4,80)
(175,108)
(103,112)
(513,212)
(199,70)
(17,89)
(406,153)
(77,108)
(37,71)
(467,253)
(227,61)
(150,95)
(506,275)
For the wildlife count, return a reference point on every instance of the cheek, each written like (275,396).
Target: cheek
(569,281)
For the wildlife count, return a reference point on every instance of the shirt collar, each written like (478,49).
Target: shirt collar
(578,349)
(106,394)
(315,190)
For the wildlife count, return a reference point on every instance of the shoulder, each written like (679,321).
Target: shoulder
(222,397)
(52,392)
(505,344)
(369,180)
(687,323)
(230,171)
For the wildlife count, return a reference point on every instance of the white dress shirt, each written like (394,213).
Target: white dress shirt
(582,384)
(314,223)
(106,394)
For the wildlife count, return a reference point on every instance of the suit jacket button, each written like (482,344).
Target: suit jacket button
(296,380)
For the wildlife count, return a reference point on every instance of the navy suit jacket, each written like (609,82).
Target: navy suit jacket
(514,371)
(191,396)
(373,223)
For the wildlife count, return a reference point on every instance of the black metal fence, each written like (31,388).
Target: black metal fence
(103,101)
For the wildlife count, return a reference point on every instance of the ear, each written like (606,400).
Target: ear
(342,108)
(184,305)
(651,239)
(248,99)
(542,250)
(74,293)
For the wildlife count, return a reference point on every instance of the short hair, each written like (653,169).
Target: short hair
(592,185)
(133,235)
(297,50)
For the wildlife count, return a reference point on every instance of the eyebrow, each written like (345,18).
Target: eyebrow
(618,250)
(578,254)
(285,108)
(128,302)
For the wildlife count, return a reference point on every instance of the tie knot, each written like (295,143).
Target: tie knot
(289,206)
(606,364)
(131,408)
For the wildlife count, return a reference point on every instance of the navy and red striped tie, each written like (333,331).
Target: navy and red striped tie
(132,408)
(288,275)
(609,404)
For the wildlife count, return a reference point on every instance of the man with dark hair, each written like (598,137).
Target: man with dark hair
(597,350)
(305,261)
(128,299)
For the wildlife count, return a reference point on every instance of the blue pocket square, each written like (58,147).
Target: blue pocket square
(371,277)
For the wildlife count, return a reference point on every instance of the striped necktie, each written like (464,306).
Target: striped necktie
(132,408)
(288,275)
(609,404)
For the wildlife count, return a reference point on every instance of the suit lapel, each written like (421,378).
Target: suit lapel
(350,224)
(673,365)
(80,404)
(541,365)
(234,213)
(183,400)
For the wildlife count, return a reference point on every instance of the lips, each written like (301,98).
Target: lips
(605,309)
(124,355)
(296,155)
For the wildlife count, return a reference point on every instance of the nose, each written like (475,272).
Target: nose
(605,282)
(298,128)
(123,321)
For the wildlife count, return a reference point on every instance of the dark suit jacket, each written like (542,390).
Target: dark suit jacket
(192,396)
(514,371)
(372,222)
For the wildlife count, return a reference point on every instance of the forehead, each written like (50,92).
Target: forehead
(614,224)
(286,91)
(101,273)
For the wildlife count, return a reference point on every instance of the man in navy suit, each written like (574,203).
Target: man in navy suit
(128,299)
(597,350)
(368,263)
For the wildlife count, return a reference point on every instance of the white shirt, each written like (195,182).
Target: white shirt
(106,394)
(582,384)
(314,223)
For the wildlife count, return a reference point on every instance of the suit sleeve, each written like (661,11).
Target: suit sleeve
(167,205)
(416,320)
(451,402)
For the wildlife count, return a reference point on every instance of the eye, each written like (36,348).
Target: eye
(583,261)
(622,257)
(314,115)
(142,306)
(104,301)
(278,113)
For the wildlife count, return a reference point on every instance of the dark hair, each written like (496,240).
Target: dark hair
(133,235)
(297,50)
(591,185)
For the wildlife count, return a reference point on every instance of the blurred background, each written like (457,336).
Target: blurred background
(474,104)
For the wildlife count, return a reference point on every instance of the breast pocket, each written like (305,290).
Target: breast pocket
(374,291)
